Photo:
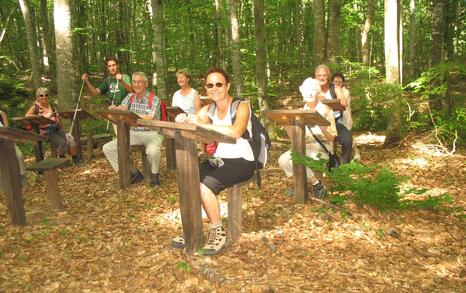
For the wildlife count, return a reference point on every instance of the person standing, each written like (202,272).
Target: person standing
(116,86)
(147,106)
(186,97)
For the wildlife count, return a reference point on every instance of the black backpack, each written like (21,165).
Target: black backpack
(260,140)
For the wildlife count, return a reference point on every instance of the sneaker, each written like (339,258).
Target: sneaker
(178,242)
(216,241)
(319,190)
(136,177)
(154,180)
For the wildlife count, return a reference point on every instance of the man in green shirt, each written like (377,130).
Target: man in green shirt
(115,87)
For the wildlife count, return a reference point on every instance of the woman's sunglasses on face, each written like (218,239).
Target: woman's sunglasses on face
(211,85)
(44,95)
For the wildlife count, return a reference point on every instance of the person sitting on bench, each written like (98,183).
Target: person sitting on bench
(230,164)
(147,106)
(58,138)
(313,96)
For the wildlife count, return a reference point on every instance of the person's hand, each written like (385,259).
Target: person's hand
(181,118)
(85,76)
(119,76)
(192,119)
(49,115)
(112,107)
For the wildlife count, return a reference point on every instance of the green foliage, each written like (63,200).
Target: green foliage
(13,95)
(371,185)
(184,266)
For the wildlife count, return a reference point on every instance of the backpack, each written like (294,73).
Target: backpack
(334,95)
(150,100)
(260,140)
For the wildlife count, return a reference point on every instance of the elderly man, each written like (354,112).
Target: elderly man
(333,91)
(147,106)
(115,87)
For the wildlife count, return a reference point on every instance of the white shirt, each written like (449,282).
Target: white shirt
(185,102)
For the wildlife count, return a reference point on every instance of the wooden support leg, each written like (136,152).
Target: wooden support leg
(187,168)
(124,159)
(90,147)
(12,182)
(170,153)
(76,132)
(235,219)
(299,171)
(53,192)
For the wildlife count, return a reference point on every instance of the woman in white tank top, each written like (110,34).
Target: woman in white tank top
(186,97)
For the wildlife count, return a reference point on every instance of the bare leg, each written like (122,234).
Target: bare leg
(210,204)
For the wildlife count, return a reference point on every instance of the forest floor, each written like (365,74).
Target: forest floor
(110,240)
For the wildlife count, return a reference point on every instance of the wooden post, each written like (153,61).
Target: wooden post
(53,192)
(235,219)
(299,171)
(12,182)
(38,151)
(170,153)
(124,161)
(187,167)
(90,146)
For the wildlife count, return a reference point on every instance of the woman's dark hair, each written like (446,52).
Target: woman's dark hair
(338,74)
(111,59)
(217,70)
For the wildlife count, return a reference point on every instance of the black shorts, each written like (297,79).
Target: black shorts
(232,172)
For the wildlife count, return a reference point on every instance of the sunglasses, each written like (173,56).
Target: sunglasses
(45,95)
(211,85)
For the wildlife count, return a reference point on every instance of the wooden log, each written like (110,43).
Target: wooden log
(12,182)
(187,168)
(299,171)
(235,219)
(53,192)
(124,159)
(90,147)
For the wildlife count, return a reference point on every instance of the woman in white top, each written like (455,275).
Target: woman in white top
(186,97)
(234,163)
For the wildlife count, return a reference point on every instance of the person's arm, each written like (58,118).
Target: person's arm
(330,132)
(92,90)
(197,102)
(125,82)
(4,119)
(236,130)
(31,111)
(340,95)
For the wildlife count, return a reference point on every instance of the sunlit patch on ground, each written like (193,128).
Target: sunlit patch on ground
(369,138)
(432,150)
(417,162)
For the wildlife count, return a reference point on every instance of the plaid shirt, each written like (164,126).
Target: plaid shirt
(142,107)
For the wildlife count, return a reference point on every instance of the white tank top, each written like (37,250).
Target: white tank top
(242,148)
(185,102)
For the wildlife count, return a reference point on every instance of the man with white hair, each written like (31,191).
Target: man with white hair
(147,106)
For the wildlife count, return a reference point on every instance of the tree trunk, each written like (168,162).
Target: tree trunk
(122,35)
(333,30)
(49,48)
(436,51)
(66,71)
(218,25)
(412,39)
(319,32)
(392,66)
(31,35)
(157,21)
(365,32)
(235,49)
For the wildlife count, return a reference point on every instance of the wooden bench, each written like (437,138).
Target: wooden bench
(235,202)
(94,141)
(49,167)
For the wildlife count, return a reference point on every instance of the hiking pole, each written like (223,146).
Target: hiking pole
(77,107)
(113,101)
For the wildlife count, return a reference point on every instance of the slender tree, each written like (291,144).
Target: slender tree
(218,26)
(48,41)
(157,22)
(437,44)
(319,32)
(66,71)
(392,65)
(235,50)
(28,15)
(365,32)
(333,39)
(261,53)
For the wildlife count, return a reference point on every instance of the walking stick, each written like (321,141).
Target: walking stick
(77,107)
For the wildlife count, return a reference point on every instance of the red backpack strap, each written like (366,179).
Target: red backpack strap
(131,99)
(163,111)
